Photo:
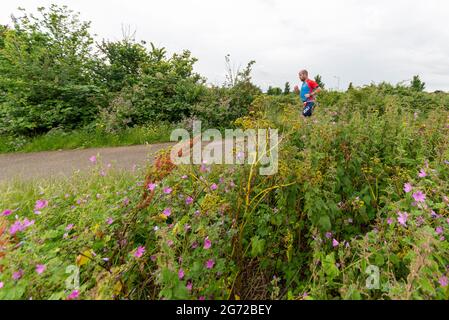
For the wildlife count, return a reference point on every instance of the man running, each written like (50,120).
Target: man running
(309,89)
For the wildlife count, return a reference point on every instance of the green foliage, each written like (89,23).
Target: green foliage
(417,85)
(319,81)
(287,88)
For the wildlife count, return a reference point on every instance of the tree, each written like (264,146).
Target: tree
(416,84)
(287,88)
(274,91)
(319,81)
(47,75)
(351,86)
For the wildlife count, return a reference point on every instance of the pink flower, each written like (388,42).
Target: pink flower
(210,264)
(419,196)
(7,212)
(184,177)
(443,281)
(202,298)
(328,235)
(1,285)
(422,174)
(102,173)
(109,221)
(181,274)
(18,274)
(169,243)
(335,243)
(168,190)
(439,230)
(194,245)
(125,201)
(189,286)
(189,200)
(40,268)
(139,252)
(73,295)
(40,204)
(20,226)
(93,159)
(402,218)
(207,243)
(151,186)
(153,258)
(213,187)
(407,187)
(389,221)
(167,212)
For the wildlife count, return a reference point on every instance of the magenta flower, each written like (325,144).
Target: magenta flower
(93,159)
(202,298)
(153,258)
(181,274)
(443,281)
(7,212)
(2,284)
(189,286)
(69,227)
(18,274)
(439,230)
(194,245)
(184,177)
(40,268)
(151,186)
(328,235)
(125,201)
(40,204)
(20,226)
(189,200)
(207,243)
(407,187)
(109,221)
(402,218)
(210,264)
(167,212)
(419,196)
(168,190)
(389,221)
(73,295)
(422,174)
(335,243)
(213,187)
(139,252)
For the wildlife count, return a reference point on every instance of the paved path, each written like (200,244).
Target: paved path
(54,163)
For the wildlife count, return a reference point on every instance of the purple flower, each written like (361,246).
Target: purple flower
(151,186)
(181,274)
(407,187)
(422,174)
(167,212)
(443,281)
(389,221)
(40,268)
(153,258)
(213,187)
(73,295)
(109,221)
(419,196)
(184,177)
(210,264)
(189,200)
(168,190)
(335,243)
(402,218)
(40,204)
(7,212)
(18,274)
(419,221)
(328,235)
(139,252)
(207,243)
(125,201)
(439,230)
(189,286)
(93,159)
(194,245)
(20,226)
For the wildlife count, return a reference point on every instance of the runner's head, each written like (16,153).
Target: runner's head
(303,75)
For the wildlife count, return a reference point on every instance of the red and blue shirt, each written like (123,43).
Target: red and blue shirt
(307,87)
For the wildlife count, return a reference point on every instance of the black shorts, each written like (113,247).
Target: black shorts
(308,109)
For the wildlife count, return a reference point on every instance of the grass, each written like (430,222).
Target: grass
(84,138)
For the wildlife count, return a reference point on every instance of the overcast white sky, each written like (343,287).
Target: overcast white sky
(358,41)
